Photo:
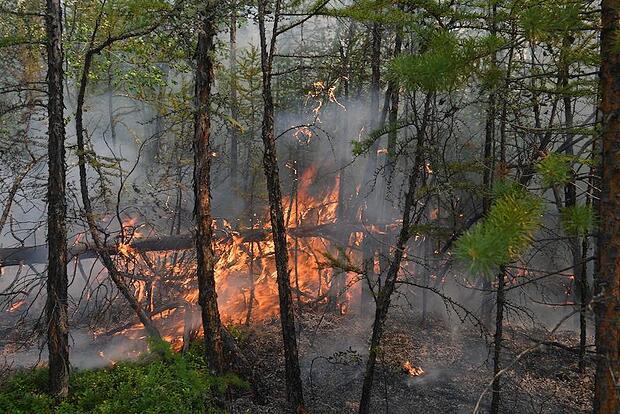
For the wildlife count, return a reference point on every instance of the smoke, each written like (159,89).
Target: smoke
(154,146)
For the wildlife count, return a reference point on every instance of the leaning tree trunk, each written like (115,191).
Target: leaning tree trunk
(294,389)
(56,307)
(607,302)
(202,190)
(100,245)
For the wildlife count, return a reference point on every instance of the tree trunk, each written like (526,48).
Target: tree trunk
(110,87)
(489,165)
(368,244)
(607,304)
(16,256)
(497,341)
(581,294)
(56,306)
(294,389)
(394,87)
(202,191)
(234,106)
(385,293)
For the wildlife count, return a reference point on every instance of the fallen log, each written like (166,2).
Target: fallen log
(84,250)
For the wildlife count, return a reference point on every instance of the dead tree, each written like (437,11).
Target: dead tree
(202,190)
(15,256)
(607,293)
(56,306)
(294,391)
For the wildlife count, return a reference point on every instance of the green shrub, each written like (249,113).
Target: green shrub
(173,384)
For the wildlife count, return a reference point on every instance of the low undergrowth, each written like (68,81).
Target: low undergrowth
(160,382)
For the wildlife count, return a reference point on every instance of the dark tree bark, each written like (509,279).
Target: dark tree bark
(497,341)
(368,244)
(202,191)
(607,303)
(56,306)
(110,87)
(294,389)
(489,165)
(234,105)
(394,87)
(385,293)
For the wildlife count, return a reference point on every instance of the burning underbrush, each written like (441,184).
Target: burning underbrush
(164,281)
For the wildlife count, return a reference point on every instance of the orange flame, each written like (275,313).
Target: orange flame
(413,371)
(245,271)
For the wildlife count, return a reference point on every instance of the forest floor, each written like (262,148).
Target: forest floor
(456,359)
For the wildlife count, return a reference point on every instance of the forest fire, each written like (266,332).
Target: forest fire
(309,206)
(245,270)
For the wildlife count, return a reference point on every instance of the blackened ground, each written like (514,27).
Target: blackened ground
(454,356)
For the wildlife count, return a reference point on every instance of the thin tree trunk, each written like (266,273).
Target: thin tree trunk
(57,281)
(498,337)
(393,116)
(294,389)
(368,244)
(384,295)
(110,87)
(234,105)
(207,296)
(570,193)
(607,304)
(489,165)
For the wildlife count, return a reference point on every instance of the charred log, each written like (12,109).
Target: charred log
(15,256)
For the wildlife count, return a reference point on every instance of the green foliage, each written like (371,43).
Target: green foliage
(578,220)
(447,62)
(543,20)
(504,234)
(555,169)
(172,384)
(238,332)
(25,394)
(161,348)
(361,147)
(379,11)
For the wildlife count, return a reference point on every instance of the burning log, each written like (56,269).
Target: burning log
(38,254)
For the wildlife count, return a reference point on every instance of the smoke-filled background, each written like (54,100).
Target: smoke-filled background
(345,151)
